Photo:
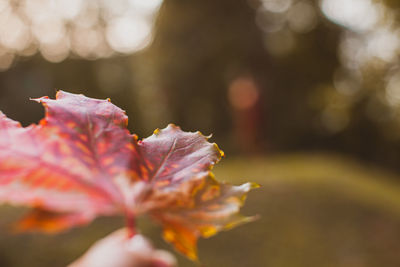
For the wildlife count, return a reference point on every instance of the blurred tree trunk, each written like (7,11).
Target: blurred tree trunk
(200,48)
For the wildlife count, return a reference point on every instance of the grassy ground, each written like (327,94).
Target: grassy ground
(316,210)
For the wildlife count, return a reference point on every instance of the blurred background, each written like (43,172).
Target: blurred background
(302,95)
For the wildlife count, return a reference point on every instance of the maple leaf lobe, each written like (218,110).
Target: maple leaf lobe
(63,164)
(174,156)
(215,207)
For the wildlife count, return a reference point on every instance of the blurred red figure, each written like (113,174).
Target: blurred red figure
(244,96)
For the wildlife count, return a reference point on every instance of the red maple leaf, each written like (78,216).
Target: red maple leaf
(81,162)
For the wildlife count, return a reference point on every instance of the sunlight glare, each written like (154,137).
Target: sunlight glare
(278,6)
(127,35)
(358,15)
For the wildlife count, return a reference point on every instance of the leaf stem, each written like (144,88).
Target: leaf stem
(130,224)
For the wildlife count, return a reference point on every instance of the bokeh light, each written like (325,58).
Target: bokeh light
(61,28)
(358,15)
(302,17)
(277,6)
(243,93)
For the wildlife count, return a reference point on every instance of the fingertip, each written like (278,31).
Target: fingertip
(163,258)
(139,243)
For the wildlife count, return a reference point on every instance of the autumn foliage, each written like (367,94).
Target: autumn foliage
(81,162)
